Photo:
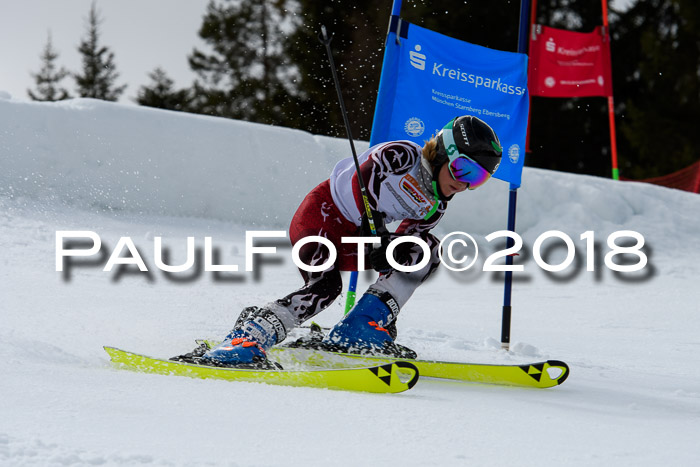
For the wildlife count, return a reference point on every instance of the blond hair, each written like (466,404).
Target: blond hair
(430,149)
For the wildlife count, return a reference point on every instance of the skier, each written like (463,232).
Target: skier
(404,182)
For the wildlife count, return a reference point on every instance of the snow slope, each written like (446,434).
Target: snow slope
(631,339)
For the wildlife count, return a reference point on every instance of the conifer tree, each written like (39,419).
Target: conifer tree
(161,93)
(247,75)
(49,77)
(99,74)
(658,84)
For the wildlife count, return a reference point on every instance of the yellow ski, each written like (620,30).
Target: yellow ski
(545,374)
(381,377)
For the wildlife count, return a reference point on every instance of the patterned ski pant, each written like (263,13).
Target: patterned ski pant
(319,216)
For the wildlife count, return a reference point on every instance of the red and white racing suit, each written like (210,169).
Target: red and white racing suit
(399,184)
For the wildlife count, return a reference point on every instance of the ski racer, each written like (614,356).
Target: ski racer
(403,182)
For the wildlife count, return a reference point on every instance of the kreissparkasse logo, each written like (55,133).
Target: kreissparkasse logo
(417,58)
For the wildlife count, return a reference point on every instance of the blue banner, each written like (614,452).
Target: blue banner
(428,79)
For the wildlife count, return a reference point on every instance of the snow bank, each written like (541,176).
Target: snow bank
(104,156)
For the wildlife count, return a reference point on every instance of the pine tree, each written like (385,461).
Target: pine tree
(658,85)
(161,93)
(358,29)
(247,75)
(99,71)
(49,77)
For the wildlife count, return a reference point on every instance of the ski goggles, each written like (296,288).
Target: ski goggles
(462,167)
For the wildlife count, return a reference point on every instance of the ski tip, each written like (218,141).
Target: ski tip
(561,366)
(395,377)
(546,374)
(411,367)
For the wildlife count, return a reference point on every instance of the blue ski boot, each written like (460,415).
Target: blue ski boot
(246,346)
(367,328)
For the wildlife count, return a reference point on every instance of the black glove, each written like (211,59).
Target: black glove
(377,256)
(377,252)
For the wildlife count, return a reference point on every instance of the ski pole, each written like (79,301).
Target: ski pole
(326,40)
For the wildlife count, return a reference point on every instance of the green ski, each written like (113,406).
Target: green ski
(383,377)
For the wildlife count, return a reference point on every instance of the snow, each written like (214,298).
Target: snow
(631,339)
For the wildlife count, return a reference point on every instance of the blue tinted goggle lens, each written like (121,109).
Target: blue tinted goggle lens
(466,170)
